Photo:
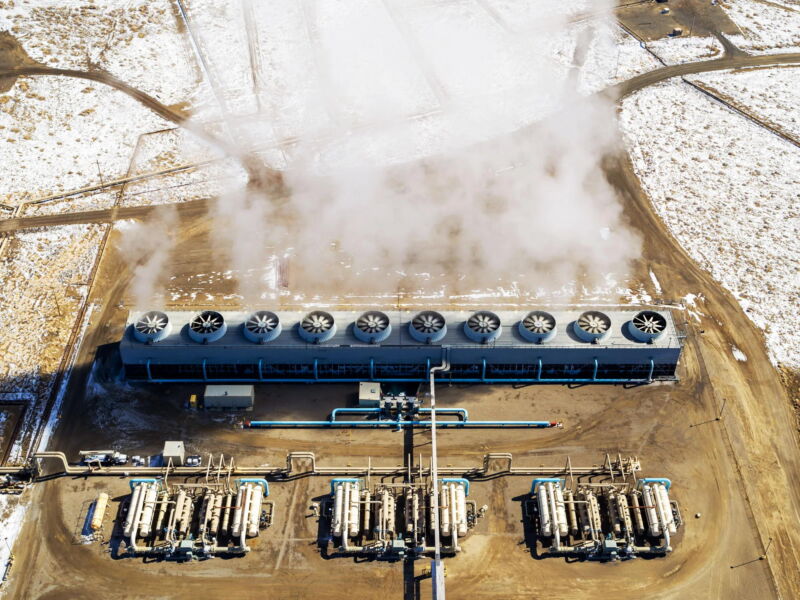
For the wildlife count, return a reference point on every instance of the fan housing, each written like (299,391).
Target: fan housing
(483,327)
(152,326)
(537,326)
(647,326)
(262,326)
(207,326)
(592,326)
(428,327)
(372,327)
(316,327)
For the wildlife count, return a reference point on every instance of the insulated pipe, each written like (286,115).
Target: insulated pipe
(550,492)
(186,517)
(367,507)
(625,515)
(637,513)
(561,511)
(236,526)
(454,519)
(345,512)
(613,515)
(226,514)
(137,517)
(215,514)
(338,507)
(408,510)
(163,498)
(255,512)
(148,508)
(354,512)
(650,511)
(545,523)
(445,510)
(573,518)
(462,508)
(245,510)
(132,507)
(666,509)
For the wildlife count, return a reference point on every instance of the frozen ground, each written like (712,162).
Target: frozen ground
(733,207)
(679,50)
(44,275)
(771,94)
(767,27)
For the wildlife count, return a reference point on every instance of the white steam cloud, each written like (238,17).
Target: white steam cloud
(423,150)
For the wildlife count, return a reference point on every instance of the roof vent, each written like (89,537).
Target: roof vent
(483,327)
(261,327)
(152,327)
(372,327)
(592,326)
(316,327)
(537,326)
(428,327)
(647,326)
(208,326)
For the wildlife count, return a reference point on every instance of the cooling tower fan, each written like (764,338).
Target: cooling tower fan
(647,326)
(152,327)
(428,327)
(538,326)
(592,326)
(372,327)
(261,327)
(316,327)
(483,327)
(208,326)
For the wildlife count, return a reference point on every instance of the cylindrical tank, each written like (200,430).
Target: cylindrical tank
(226,514)
(133,509)
(624,513)
(593,508)
(338,508)
(613,514)
(215,514)
(444,502)
(391,504)
(545,520)
(454,517)
(236,526)
(355,515)
(367,511)
(561,512)
(571,513)
(147,510)
(637,514)
(408,510)
(186,516)
(662,496)
(650,510)
(255,511)
(419,509)
(180,500)
(162,512)
(461,502)
(99,511)
(583,515)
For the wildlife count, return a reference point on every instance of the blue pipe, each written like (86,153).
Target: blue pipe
(260,372)
(260,481)
(594,374)
(462,412)
(134,482)
(457,480)
(205,374)
(149,375)
(539,480)
(400,423)
(344,480)
(652,368)
(372,369)
(483,370)
(539,372)
(667,483)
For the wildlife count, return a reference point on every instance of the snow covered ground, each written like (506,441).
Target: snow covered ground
(44,274)
(771,94)
(767,27)
(677,50)
(734,206)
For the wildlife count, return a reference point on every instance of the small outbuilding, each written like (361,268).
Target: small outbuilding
(369,394)
(173,450)
(238,397)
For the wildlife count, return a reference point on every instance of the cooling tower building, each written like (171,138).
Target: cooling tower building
(534,346)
